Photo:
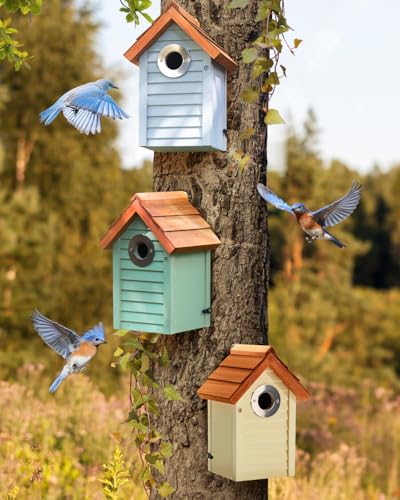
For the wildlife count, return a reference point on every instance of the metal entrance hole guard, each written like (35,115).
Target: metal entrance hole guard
(173,60)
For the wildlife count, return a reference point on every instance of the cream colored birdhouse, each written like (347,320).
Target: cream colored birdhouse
(252,415)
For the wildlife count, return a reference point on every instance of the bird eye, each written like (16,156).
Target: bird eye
(97,339)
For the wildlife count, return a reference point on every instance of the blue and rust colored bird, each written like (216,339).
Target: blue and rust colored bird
(314,224)
(77,350)
(83,107)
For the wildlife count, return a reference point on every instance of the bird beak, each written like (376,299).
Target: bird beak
(114,86)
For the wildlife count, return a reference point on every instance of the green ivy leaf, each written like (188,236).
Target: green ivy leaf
(171,393)
(121,333)
(273,117)
(135,343)
(238,4)
(166,449)
(264,10)
(249,95)
(165,489)
(123,362)
(261,65)
(249,55)
(164,359)
(118,352)
(159,465)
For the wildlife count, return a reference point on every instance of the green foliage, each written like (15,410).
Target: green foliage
(132,9)
(115,476)
(54,446)
(140,355)
(264,56)
(9,46)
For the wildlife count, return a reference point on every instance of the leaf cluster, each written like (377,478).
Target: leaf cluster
(263,56)
(10,48)
(133,8)
(115,476)
(139,355)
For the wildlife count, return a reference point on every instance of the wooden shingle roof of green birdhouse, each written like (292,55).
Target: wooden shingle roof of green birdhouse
(190,25)
(174,221)
(238,371)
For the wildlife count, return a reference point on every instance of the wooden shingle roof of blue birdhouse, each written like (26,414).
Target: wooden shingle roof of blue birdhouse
(190,25)
(174,221)
(241,368)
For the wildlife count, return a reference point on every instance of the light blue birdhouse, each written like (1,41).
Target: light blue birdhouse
(182,85)
(161,264)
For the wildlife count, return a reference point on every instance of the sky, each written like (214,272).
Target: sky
(347,70)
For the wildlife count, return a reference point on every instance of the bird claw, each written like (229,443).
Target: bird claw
(83,369)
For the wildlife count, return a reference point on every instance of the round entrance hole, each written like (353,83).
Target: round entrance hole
(174,60)
(141,250)
(265,401)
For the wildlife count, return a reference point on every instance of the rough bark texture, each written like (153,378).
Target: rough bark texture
(230,203)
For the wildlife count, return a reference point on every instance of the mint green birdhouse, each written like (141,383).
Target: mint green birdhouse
(161,264)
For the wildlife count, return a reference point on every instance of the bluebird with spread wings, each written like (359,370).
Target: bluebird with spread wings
(77,350)
(314,224)
(83,107)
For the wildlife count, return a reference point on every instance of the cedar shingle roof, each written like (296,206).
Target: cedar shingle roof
(190,25)
(241,369)
(175,222)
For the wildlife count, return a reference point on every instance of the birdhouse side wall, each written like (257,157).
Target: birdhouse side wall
(172,107)
(215,102)
(140,298)
(262,443)
(221,438)
(190,285)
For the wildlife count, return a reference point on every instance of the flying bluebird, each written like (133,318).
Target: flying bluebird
(78,351)
(83,107)
(314,224)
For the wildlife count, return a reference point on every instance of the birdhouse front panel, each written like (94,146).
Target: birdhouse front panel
(139,298)
(161,264)
(182,85)
(261,447)
(252,415)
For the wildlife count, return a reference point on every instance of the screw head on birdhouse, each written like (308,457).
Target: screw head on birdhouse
(161,264)
(252,415)
(182,85)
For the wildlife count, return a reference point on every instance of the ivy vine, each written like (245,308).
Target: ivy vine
(266,74)
(140,354)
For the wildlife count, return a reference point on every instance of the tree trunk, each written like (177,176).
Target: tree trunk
(24,151)
(230,203)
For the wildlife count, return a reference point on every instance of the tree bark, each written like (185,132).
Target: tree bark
(229,201)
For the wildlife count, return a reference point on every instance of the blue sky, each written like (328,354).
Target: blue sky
(347,69)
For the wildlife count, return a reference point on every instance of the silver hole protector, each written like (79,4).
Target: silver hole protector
(173,60)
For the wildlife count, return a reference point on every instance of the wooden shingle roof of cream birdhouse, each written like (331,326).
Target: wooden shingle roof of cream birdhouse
(238,371)
(174,221)
(190,25)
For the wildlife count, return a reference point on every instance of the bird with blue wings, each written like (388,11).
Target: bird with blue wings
(84,106)
(314,224)
(77,350)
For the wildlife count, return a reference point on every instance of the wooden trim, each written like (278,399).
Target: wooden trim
(254,359)
(250,350)
(191,28)
(158,210)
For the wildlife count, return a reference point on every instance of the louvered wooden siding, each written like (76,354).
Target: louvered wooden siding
(170,295)
(247,447)
(186,113)
(140,301)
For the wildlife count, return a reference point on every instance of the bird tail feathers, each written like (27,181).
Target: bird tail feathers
(57,382)
(334,240)
(49,114)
